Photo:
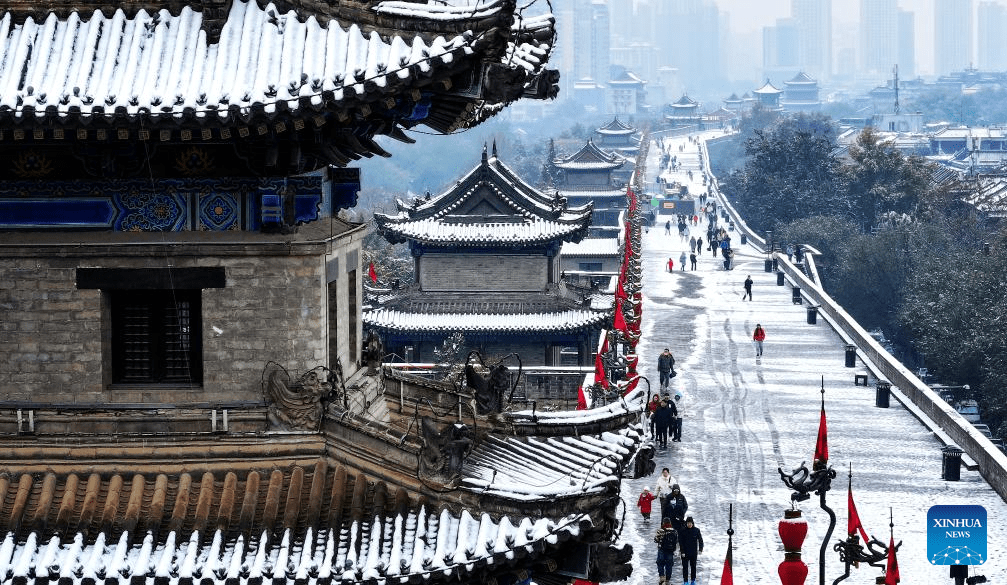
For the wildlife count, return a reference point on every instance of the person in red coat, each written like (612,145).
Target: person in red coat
(758,336)
(671,265)
(644,503)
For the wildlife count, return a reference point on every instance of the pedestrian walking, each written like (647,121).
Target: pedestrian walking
(667,540)
(790,252)
(714,245)
(690,545)
(665,367)
(748,288)
(728,259)
(676,425)
(692,260)
(671,265)
(667,228)
(664,417)
(651,409)
(692,244)
(663,485)
(699,245)
(644,503)
(759,335)
(675,507)
(681,260)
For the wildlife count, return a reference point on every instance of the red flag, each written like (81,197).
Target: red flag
(620,291)
(604,345)
(581,399)
(822,444)
(892,570)
(632,385)
(727,577)
(599,371)
(853,522)
(619,321)
(372,273)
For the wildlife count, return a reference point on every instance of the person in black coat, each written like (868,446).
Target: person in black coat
(663,417)
(690,543)
(675,507)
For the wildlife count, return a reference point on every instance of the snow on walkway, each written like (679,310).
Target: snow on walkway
(746,416)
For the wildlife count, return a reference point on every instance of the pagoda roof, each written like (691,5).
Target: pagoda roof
(768,88)
(685,102)
(616,126)
(801,78)
(499,312)
(261,72)
(490,206)
(590,157)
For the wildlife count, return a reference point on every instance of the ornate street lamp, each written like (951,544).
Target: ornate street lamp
(851,552)
(818,480)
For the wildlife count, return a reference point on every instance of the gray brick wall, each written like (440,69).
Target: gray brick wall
(55,338)
(483,272)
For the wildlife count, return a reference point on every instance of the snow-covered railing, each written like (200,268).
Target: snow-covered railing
(992,462)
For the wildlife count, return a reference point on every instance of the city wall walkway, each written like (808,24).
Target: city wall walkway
(745,416)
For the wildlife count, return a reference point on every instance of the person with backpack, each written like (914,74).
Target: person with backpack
(667,541)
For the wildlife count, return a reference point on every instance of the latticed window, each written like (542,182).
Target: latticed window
(156,336)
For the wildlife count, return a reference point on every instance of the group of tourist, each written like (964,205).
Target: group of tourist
(677,531)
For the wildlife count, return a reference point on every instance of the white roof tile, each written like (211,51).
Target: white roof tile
(160,64)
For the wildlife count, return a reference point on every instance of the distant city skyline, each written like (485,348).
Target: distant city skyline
(746,16)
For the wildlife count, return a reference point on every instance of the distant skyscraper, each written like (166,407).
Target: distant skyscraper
(591,34)
(688,35)
(878,37)
(952,35)
(813,19)
(907,45)
(623,22)
(992,48)
(781,48)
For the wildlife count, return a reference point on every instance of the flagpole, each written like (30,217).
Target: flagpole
(832,515)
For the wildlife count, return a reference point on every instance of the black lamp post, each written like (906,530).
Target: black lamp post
(818,480)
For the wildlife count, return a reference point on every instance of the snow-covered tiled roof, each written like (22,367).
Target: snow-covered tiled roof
(617,127)
(768,88)
(801,78)
(413,545)
(490,205)
(590,157)
(685,102)
(162,66)
(564,320)
(591,247)
(540,468)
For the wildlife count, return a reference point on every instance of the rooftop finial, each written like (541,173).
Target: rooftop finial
(484,151)
(494,148)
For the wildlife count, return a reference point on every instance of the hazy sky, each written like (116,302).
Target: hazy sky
(752,15)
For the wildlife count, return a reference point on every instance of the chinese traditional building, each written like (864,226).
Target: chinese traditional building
(768,96)
(182,391)
(486,265)
(617,135)
(800,94)
(589,177)
(684,112)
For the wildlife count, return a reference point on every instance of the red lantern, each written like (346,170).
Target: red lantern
(792,570)
(793,528)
